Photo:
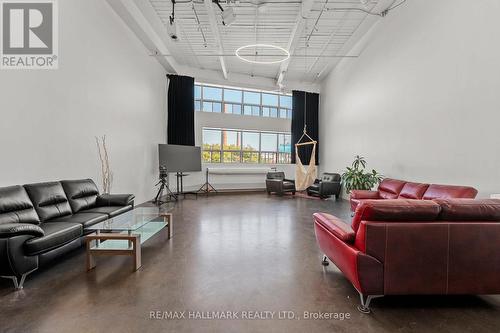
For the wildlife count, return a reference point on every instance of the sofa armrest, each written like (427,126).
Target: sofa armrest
(8,230)
(274,185)
(105,200)
(13,260)
(363,194)
(336,226)
(290,180)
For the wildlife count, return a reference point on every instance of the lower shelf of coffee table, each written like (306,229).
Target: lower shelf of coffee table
(145,232)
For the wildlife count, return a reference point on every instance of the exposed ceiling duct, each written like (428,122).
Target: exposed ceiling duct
(316,33)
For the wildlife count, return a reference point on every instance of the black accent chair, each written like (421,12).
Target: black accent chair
(40,222)
(328,185)
(277,183)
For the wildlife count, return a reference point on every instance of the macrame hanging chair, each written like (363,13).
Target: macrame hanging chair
(305,176)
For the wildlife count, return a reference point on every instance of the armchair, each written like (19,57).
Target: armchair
(328,185)
(277,183)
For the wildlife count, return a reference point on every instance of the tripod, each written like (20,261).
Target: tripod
(207,187)
(164,186)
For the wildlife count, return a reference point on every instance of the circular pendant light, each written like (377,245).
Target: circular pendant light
(284,57)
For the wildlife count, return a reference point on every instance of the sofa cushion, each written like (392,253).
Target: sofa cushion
(49,200)
(81,193)
(84,218)
(56,235)
(314,188)
(111,211)
(16,206)
(337,227)
(435,191)
(390,188)
(413,191)
(287,185)
(469,209)
(396,210)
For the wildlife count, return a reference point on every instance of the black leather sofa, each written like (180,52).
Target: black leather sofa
(40,222)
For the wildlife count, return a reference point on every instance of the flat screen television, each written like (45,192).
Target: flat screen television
(176,158)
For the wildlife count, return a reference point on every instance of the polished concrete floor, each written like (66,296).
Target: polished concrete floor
(243,253)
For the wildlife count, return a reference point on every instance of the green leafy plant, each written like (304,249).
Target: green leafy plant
(356,178)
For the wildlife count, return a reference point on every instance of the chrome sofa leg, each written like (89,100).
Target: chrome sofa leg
(364,307)
(325,261)
(18,284)
(14,280)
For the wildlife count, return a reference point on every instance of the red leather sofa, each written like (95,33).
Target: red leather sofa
(415,247)
(400,189)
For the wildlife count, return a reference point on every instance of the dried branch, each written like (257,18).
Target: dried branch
(106,174)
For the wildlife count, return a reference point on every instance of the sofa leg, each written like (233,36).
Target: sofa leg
(18,284)
(325,262)
(364,307)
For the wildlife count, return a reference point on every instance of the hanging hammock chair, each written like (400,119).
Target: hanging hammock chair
(305,176)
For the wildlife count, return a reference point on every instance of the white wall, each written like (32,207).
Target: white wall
(106,84)
(422,102)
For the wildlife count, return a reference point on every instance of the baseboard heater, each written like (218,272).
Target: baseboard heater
(238,171)
(243,186)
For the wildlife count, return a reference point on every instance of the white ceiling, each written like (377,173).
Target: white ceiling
(316,32)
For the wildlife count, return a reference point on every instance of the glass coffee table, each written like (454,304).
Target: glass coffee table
(124,234)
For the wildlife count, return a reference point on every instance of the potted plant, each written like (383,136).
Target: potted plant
(356,178)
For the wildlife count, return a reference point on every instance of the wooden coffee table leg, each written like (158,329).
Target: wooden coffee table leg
(90,258)
(133,251)
(168,219)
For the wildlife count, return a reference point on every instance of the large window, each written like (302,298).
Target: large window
(242,102)
(241,146)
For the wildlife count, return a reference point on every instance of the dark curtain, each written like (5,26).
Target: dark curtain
(180,128)
(305,111)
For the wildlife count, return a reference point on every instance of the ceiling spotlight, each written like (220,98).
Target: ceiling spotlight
(171,25)
(228,16)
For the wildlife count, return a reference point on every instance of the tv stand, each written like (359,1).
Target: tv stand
(180,185)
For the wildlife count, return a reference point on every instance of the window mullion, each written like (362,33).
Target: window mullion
(260,146)
(241,147)
(221,146)
(277,147)
(260,107)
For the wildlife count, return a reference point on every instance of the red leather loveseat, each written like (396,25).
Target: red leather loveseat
(416,247)
(400,189)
